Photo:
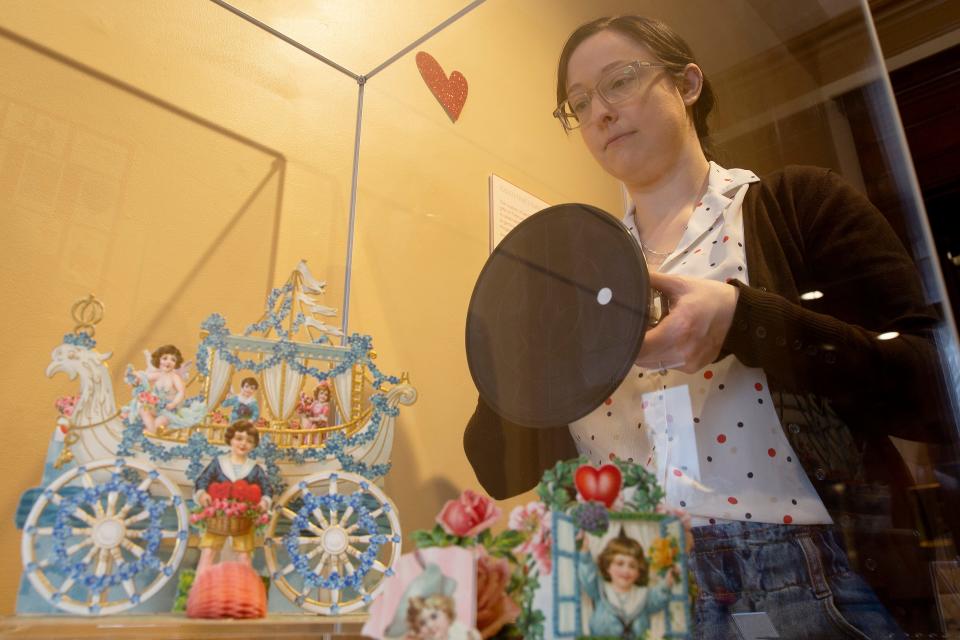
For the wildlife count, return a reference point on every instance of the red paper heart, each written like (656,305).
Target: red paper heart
(601,484)
(450,92)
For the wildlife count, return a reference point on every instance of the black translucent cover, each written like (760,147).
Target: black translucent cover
(557,316)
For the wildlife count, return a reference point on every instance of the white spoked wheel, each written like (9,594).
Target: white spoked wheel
(333,540)
(104,537)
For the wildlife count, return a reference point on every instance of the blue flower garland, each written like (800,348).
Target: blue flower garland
(365,521)
(198,449)
(284,350)
(152,535)
(80,339)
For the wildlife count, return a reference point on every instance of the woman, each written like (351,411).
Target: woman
(733,253)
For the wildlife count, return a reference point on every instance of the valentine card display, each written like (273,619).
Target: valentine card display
(266,447)
(618,567)
(591,559)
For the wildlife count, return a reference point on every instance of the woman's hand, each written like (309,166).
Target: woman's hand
(264,505)
(690,337)
(204,499)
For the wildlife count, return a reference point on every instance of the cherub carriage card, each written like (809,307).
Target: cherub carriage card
(268,444)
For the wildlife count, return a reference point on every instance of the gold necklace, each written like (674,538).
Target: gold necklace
(647,250)
(662,255)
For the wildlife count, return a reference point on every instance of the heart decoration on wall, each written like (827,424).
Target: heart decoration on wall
(450,92)
(602,485)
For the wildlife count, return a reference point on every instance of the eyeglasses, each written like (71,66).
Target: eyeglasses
(616,86)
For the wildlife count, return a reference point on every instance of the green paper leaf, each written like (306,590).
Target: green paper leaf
(422,539)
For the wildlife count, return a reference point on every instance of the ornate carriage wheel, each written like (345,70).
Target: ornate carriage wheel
(333,539)
(104,537)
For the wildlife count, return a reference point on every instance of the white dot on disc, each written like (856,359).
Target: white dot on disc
(604,295)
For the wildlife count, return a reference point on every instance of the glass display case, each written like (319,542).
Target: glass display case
(180,161)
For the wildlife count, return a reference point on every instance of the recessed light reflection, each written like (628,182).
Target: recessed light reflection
(811,295)
(889,335)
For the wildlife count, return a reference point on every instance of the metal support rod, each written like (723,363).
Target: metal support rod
(361,82)
(345,313)
(440,27)
(946,334)
(307,50)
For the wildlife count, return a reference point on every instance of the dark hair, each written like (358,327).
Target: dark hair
(250,381)
(622,545)
(167,349)
(665,43)
(245,426)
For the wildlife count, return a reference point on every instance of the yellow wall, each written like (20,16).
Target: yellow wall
(175,160)
(144,149)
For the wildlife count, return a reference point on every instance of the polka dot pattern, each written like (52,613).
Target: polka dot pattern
(712,438)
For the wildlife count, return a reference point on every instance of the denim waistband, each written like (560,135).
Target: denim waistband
(731,533)
(797,575)
(774,554)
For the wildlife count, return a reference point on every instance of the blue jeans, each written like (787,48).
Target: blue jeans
(798,575)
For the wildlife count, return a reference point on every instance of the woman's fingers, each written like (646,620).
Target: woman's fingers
(666,283)
(659,347)
(691,335)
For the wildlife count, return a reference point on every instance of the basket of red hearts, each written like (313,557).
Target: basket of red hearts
(233,509)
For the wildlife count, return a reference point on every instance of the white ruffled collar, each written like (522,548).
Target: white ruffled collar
(232,472)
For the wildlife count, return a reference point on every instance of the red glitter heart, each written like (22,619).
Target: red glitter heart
(601,484)
(450,92)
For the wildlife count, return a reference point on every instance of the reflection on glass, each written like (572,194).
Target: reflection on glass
(802,406)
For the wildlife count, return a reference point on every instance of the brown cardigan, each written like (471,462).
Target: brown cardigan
(805,229)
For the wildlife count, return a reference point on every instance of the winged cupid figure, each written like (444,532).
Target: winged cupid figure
(159,391)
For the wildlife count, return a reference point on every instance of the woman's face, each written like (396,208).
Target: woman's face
(433,623)
(624,571)
(640,139)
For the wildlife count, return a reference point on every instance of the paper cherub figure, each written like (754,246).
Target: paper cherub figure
(160,389)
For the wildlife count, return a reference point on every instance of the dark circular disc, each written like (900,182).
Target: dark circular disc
(557,316)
